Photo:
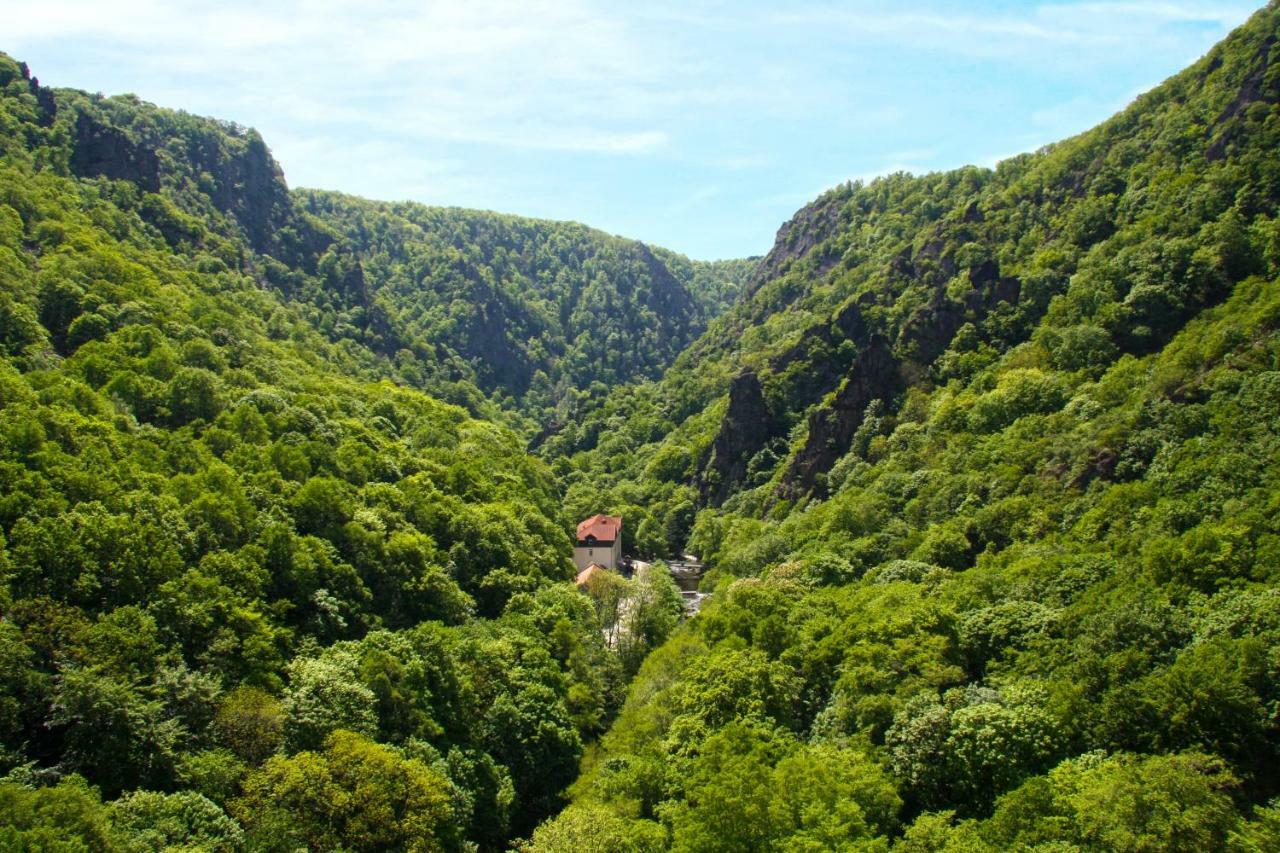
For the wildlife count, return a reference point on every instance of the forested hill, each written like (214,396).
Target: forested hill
(478,308)
(1060,262)
(254,594)
(986,467)
(547,315)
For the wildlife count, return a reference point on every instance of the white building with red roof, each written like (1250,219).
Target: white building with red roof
(599,542)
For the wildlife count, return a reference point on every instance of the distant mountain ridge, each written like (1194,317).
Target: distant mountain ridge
(548,313)
(528,311)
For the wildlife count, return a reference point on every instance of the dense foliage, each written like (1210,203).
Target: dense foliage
(515,319)
(546,316)
(253,593)
(986,466)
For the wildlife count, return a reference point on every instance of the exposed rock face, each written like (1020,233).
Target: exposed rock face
(749,425)
(499,360)
(45,100)
(876,370)
(102,150)
(349,279)
(743,433)
(989,287)
(670,297)
(47,103)
(249,186)
(823,373)
(1256,88)
(232,168)
(875,376)
(798,236)
(930,328)
(848,324)
(928,332)
(822,360)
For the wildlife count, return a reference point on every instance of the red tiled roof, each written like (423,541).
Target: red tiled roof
(605,528)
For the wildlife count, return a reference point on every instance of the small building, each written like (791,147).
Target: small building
(600,542)
(586,575)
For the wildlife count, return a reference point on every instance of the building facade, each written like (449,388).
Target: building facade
(599,542)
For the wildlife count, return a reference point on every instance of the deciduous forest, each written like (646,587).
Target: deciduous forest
(984,467)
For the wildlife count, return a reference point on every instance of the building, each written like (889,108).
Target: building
(599,541)
(588,574)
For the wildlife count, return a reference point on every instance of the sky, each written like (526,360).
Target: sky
(696,125)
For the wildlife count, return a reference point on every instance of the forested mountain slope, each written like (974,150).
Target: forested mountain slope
(243,574)
(987,467)
(1099,246)
(546,315)
(472,306)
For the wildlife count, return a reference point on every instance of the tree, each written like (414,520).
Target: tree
(650,613)
(250,723)
(324,695)
(1123,803)
(115,733)
(825,797)
(591,828)
(964,751)
(65,817)
(194,395)
(529,731)
(148,820)
(353,795)
(729,795)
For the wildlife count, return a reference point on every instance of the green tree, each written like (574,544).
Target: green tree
(353,795)
(325,694)
(147,820)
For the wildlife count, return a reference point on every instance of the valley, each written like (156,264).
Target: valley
(980,469)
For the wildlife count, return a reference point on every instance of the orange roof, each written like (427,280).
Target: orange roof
(588,573)
(605,528)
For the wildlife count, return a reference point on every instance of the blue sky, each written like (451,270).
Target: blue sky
(700,126)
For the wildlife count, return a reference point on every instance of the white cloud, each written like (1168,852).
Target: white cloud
(925,26)
(579,76)
(536,74)
(1049,33)
(1224,15)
